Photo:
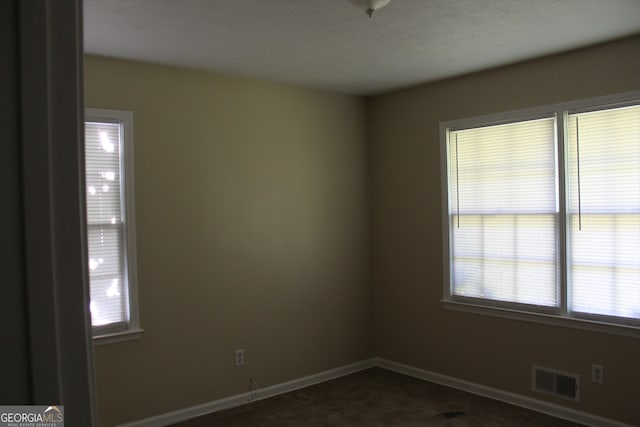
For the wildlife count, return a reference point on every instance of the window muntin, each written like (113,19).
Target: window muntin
(110,221)
(598,271)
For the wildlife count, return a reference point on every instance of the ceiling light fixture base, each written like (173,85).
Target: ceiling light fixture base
(369,6)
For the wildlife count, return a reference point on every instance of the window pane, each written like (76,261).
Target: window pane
(106,274)
(107,279)
(102,164)
(603,153)
(503,212)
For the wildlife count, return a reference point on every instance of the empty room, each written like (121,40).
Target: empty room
(405,212)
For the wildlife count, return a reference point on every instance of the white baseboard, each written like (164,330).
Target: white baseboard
(240,399)
(501,395)
(274,390)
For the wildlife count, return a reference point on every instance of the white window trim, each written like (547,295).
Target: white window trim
(132,329)
(551,316)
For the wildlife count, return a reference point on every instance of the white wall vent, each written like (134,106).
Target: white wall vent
(556,383)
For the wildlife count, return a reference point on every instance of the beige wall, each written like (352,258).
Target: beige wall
(410,323)
(253,233)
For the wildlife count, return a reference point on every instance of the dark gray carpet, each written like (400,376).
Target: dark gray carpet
(377,397)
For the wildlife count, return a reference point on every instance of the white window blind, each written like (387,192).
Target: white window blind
(503,212)
(603,156)
(111,223)
(105,225)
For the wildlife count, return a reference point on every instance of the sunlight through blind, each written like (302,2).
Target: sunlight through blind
(105,224)
(603,153)
(503,212)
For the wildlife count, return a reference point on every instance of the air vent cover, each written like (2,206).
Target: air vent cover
(556,383)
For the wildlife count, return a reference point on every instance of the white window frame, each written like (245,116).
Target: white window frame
(561,315)
(131,328)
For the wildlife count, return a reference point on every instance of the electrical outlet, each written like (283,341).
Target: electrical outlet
(239,357)
(597,374)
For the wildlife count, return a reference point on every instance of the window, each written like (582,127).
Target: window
(542,213)
(110,222)
(604,211)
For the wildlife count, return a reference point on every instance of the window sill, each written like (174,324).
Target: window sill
(128,335)
(547,319)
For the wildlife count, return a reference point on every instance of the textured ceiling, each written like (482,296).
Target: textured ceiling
(330,44)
